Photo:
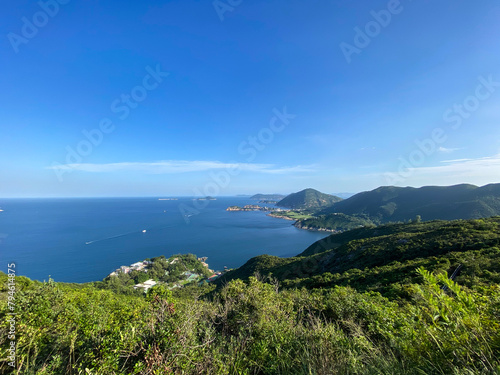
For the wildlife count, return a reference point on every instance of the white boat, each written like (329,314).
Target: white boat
(144,231)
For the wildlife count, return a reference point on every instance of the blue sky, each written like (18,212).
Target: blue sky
(208,98)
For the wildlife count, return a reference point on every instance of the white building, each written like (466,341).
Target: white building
(146,285)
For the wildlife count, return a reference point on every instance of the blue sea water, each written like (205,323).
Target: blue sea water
(81,240)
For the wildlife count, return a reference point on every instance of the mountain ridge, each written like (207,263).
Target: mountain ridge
(390,203)
(309,199)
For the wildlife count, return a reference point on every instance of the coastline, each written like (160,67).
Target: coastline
(297,224)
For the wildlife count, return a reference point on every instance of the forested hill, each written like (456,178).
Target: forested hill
(392,204)
(385,258)
(308,199)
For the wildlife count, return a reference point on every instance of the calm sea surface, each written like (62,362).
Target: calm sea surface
(81,240)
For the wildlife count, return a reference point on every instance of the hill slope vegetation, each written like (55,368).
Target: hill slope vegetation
(324,317)
(392,204)
(308,199)
(384,258)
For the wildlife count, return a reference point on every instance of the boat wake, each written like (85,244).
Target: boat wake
(112,237)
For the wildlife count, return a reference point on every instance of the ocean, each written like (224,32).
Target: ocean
(84,239)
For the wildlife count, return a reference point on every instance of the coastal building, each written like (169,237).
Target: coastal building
(146,285)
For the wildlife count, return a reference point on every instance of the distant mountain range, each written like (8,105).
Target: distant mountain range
(391,204)
(308,199)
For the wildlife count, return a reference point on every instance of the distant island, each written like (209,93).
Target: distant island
(208,198)
(273,197)
(254,207)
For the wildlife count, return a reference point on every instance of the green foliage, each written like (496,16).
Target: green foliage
(382,259)
(161,269)
(397,204)
(325,317)
(335,222)
(255,327)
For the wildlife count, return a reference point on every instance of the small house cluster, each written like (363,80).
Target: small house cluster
(188,276)
(138,266)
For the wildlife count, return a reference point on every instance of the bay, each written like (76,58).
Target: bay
(84,239)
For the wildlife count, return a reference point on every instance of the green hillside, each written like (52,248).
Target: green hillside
(325,316)
(384,258)
(308,199)
(392,204)
(334,222)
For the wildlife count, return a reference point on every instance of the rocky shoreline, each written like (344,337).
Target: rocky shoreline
(300,226)
(278,216)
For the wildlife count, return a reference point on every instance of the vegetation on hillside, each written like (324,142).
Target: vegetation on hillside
(169,271)
(392,204)
(308,199)
(384,258)
(255,328)
(366,301)
(334,222)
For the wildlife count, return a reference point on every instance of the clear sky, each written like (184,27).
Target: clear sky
(157,97)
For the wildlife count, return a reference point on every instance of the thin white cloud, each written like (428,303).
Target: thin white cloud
(479,171)
(447,150)
(179,166)
(480,167)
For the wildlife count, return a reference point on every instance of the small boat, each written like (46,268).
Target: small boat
(144,231)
